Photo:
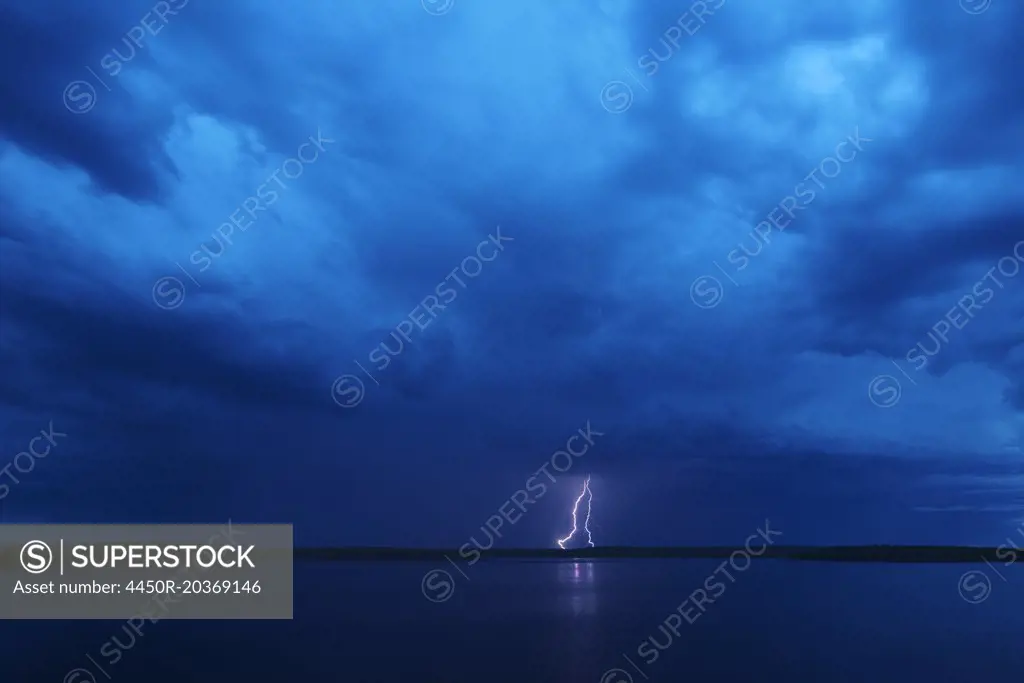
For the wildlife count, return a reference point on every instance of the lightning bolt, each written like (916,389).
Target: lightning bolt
(586,523)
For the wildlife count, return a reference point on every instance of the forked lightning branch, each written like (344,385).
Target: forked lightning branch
(586,523)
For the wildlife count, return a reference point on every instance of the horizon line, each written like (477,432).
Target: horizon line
(921,554)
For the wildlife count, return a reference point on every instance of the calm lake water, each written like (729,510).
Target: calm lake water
(565,622)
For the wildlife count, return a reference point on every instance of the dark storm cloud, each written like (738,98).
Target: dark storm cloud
(46,46)
(870,269)
(448,127)
(972,64)
(65,319)
(874,262)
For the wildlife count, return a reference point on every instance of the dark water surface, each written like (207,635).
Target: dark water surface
(562,621)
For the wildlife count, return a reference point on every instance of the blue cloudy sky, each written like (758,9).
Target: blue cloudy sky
(770,251)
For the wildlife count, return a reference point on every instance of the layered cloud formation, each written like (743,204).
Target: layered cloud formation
(253,254)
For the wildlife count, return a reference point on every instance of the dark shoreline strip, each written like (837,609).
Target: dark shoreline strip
(862,553)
